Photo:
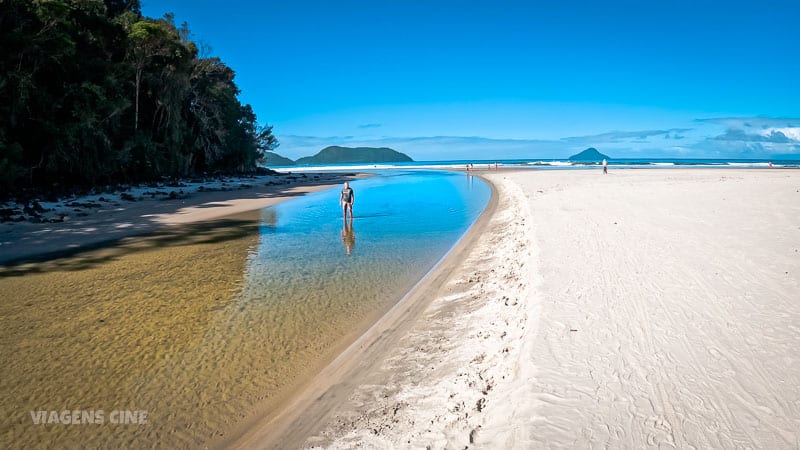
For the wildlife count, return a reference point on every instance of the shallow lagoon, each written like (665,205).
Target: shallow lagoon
(205,328)
(404,223)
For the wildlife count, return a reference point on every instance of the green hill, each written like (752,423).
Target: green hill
(589,155)
(273,159)
(349,155)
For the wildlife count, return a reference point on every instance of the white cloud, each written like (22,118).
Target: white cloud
(622,136)
(731,137)
(754,122)
(792,133)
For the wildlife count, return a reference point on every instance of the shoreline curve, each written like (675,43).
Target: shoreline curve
(309,406)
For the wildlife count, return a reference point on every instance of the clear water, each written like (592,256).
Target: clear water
(403,223)
(208,328)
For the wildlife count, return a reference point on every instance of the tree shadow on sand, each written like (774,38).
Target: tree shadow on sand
(120,238)
(86,257)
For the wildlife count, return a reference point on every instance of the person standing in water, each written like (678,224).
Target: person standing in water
(605,166)
(346,200)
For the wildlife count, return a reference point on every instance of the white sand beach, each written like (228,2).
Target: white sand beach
(641,309)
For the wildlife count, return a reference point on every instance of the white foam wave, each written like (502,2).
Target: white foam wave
(549,163)
(749,164)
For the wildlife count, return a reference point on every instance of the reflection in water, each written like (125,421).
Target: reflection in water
(269,217)
(348,237)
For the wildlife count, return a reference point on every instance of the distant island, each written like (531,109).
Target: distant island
(342,155)
(589,155)
(274,159)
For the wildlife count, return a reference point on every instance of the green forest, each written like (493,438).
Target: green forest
(93,93)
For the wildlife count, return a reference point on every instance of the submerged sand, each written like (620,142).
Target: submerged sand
(122,329)
(644,308)
(153,324)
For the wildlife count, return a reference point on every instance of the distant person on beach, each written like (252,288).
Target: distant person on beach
(346,200)
(605,166)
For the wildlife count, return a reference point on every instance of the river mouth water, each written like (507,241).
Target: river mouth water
(202,329)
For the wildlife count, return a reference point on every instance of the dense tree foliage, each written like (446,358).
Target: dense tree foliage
(93,92)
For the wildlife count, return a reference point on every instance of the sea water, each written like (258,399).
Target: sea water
(559,164)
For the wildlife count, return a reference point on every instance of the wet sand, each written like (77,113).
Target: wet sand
(645,308)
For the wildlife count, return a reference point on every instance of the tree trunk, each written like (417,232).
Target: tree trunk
(136,117)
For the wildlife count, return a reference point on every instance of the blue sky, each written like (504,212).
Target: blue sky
(514,79)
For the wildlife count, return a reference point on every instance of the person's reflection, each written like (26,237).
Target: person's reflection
(269,217)
(348,237)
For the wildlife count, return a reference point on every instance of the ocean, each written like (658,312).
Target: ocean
(558,164)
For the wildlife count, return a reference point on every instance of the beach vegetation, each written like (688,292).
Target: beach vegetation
(93,92)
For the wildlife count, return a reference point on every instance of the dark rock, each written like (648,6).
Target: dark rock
(126,196)
(38,207)
(7,212)
(83,205)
